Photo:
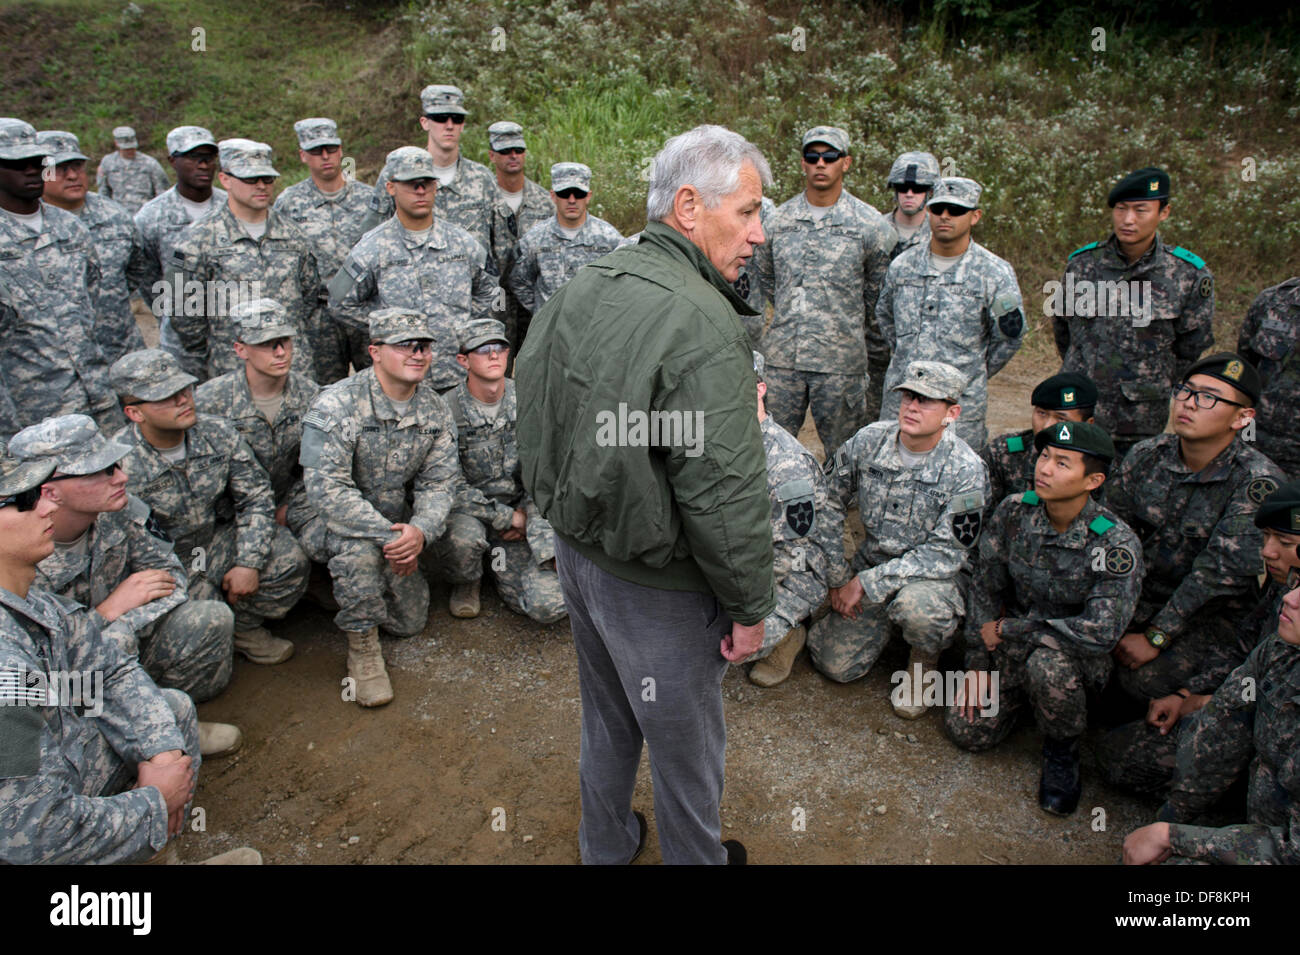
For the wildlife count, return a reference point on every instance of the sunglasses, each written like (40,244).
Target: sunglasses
(810,156)
(325,150)
(512,151)
(23,500)
(911,187)
(250,180)
(491,348)
(413,346)
(102,472)
(22,165)
(943,208)
(571,194)
(446,118)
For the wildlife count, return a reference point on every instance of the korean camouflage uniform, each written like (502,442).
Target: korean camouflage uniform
(489,461)
(1011,459)
(547,258)
(968,316)
(1268,341)
(1135,362)
(123,267)
(823,277)
(508,227)
(65,776)
(1201,551)
(366,469)
(920,523)
(468,201)
(1064,599)
(161,222)
(130,182)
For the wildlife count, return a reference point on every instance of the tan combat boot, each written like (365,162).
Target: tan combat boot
(366,668)
(775,667)
(218,739)
(907,698)
(241,856)
(259,646)
(464,599)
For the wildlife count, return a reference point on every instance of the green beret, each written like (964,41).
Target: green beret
(1077,436)
(1280,511)
(1064,392)
(1232,369)
(1148,183)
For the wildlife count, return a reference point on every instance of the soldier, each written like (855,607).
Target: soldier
(920,490)
(379,462)
(953,301)
(1133,313)
(212,498)
(128,177)
(122,262)
(748,285)
(244,250)
(822,267)
(804,543)
(911,179)
(266,402)
(332,209)
(1192,496)
(49,282)
(1012,458)
(111,557)
(1057,577)
(523,544)
(418,262)
(1268,341)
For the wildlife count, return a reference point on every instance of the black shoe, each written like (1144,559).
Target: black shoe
(1059,788)
(736,854)
(640,842)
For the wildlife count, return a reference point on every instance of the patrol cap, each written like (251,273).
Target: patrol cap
(506,135)
(956,191)
(17,475)
(920,168)
(317,131)
(759,365)
(830,135)
(124,137)
(245,158)
(149,374)
(63,145)
(570,175)
(72,441)
(18,140)
(392,325)
(184,138)
(480,332)
(1064,392)
(406,163)
(261,320)
(1280,511)
(443,99)
(1077,436)
(933,379)
(1149,183)
(1231,368)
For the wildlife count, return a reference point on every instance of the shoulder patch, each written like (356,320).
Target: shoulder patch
(1259,489)
(20,731)
(1083,248)
(315,418)
(974,501)
(137,509)
(1119,560)
(1015,443)
(1179,252)
(1100,525)
(1029,497)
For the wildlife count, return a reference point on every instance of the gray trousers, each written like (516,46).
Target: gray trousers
(650,670)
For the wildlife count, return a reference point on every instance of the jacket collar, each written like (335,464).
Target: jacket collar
(670,240)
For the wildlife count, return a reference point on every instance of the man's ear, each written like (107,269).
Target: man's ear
(686,206)
(133,413)
(462,360)
(1094,480)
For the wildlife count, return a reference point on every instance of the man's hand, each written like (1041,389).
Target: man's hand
(142,587)
(989,634)
(282,515)
(846,601)
(240,582)
(403,550)
(1163,713)
(973,695)
(172,774)
(1148,845)
(1135,650)
(742,641)
(518,521)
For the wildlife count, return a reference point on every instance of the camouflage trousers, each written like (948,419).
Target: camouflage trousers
(191,648)
(838,403)
(1199,660)
(1055,683)
(926,613)
(369,594)
(330,346)
(457,556)
(526,586)
(281,582)
(109,418)
(117,332)
(877,365)
(1137,758)
(791,609)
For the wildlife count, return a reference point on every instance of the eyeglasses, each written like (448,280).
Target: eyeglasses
(512,151)
(326,150)
(23,500)
(273,345)
(413,346)
(907,397)
(446,118)
(418,184)
(250,180)
(810,156)
(901,187)
(491,348)
(1204,399)
(102,472)
(571,194)
(945,209)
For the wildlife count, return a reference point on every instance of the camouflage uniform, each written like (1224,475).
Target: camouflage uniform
(508,227)
(130,182)
(547,258)
(920,237)
(1011,459)
(161,222)
(1135,362)
(823,277)
(124,268)
(1201,550)
(747,284)
(1063,598)
(919,525)
(1268,341)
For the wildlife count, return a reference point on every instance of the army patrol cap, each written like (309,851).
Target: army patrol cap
(506,135)
(956,191)
(1148,183)
(124,137)
(933,379)
(261,320)
(443,99)
(407,163)
(149,374)
(184,138)
(72,441)
(480,332)
(18,140)
(570,175)
(245,158)
(1280,511)
(63,146)
(392,325)
(760,366)
(1232,369)
(17,475)
(1077,436)
(317,131)
(1064,392)
(830,135)
(920,168)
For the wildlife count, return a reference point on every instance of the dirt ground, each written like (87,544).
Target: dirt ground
(476,760)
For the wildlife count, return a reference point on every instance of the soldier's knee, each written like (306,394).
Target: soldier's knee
(183,710)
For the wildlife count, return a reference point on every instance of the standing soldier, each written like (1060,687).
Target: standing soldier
(822,267)
(128,177)
(748,285)
(1134,312)
(1268,341)
(118,245)
(911,179)
(954,301)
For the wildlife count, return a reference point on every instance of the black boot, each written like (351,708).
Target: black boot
(1058,790)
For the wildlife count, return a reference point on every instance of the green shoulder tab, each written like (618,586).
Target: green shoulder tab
(1186,256)
(1100,525)
(1029,497)
(1015,443)
(1084,248)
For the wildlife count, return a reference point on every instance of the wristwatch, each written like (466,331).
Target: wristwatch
(1157,638)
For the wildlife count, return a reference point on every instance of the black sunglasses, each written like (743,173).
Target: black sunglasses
(512,151)
(323,150)
(810,156)
(911,187)
(249,180)
(23,500)
(445,117)
(102,472)
(571,193)
(943,208)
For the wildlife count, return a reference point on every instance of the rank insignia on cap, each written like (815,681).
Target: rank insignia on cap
(1153,185)
(1064,433)
(1067,397)
(1233,370)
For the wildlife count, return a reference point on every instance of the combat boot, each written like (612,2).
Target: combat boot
(907,698)
(1059,788)
(218,739)
(464,599)
(241,856)
(366,668)
(259,646)
(775,667)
